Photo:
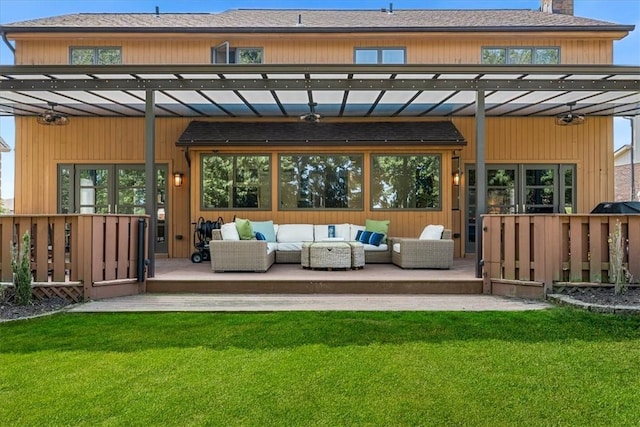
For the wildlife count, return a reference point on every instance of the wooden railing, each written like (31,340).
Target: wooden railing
(97,252)
(556,248)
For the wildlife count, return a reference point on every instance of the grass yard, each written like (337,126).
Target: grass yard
(553,367)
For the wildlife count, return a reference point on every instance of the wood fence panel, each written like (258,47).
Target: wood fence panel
(84,240)
(552,242)
(493,239)
(6,237)
(75,239)
(634,246)
(124,240)
(110,247)
(58,252)
(537,236)
(524,247)
(595,249)
(41,256)
(576,242)
(510,248)
(97,246)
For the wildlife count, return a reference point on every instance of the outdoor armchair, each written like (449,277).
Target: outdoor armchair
(423,253)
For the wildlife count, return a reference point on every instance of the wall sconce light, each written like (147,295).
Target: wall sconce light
(178,178)
(456,178)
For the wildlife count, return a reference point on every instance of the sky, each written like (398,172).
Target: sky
(626,51)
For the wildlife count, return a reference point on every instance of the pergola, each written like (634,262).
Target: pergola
(278,91)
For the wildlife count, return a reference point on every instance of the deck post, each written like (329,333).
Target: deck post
(481,173)
(150,177)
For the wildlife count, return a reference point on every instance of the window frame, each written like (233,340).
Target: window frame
(360,156)
(233,51)
(534,54)
(373,178)
(269,182)
(380,51)
(95,53)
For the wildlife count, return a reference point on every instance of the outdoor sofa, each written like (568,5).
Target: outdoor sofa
(283,244)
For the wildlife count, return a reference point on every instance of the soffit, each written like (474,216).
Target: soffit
(340,91)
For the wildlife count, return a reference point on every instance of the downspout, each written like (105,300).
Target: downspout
(9,45)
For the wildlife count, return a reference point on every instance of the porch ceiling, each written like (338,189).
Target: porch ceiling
(281,91)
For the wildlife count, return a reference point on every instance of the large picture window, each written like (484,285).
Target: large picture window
(405,182)
(236,181)
(327,181)
(520,55)
(95,56)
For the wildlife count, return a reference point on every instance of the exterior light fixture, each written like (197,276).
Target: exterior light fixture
(456,178)
(178,179)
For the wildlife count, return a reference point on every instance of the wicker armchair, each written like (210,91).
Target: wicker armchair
(240,255)
(416,253)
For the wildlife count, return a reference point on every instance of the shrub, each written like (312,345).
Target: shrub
(21,267)
(618,274)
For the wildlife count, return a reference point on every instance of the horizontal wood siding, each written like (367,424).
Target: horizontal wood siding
(318,49)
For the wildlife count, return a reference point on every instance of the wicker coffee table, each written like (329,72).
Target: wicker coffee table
(332,255)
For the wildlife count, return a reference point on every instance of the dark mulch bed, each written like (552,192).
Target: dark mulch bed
(607,296)
(10,311)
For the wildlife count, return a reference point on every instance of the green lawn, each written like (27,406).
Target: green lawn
(552,367)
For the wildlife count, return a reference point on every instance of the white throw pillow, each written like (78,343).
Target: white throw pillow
(229,231)
(432,232)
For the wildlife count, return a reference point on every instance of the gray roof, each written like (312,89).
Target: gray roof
(287,20)
(325,133)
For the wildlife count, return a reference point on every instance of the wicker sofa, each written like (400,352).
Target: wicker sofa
(423,252)
(260,255)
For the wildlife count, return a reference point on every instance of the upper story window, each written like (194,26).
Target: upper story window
(382,55)
(520,55)
(224,54)
(95,55)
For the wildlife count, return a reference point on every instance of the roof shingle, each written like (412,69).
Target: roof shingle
(314,19)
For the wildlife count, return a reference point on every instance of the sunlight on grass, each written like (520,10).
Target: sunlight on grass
(555,367)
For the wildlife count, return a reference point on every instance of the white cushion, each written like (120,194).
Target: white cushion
(271,246)
(373,248)
(290,246)
(288,233)
(432,232)
(321,232)
(396,248)
(229,231)
(353,229)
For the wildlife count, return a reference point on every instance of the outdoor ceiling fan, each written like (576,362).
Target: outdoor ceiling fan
(569,118)
(311,116)
(52,117)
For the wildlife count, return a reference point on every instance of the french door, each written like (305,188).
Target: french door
(115,189)
(520,188)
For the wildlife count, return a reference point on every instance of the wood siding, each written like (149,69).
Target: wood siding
(459,48)
(121,140)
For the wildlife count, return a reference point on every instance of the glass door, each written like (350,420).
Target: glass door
(512,189)
(501,197)
(113,189)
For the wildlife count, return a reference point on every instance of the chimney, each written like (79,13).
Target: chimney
(562,7)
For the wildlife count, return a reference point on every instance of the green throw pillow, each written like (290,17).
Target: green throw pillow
(244,229)
(377,226)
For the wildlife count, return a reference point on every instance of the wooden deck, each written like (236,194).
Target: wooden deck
(183,276)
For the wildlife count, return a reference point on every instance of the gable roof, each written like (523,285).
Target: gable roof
(324,133)
(316,20)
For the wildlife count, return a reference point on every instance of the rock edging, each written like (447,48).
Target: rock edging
(561,299)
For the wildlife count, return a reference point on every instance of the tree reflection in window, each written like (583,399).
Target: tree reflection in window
(405,182)
(321,181)
(236,181)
